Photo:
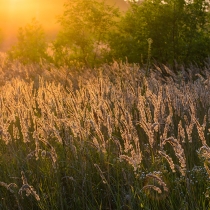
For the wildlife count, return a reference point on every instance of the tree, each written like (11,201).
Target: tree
(31,45)
(178,28)
(85,28)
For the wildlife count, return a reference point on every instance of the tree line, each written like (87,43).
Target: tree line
(93,32)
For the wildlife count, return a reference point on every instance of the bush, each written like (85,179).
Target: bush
(31,45)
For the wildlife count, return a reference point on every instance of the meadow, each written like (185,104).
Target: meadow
(104,138)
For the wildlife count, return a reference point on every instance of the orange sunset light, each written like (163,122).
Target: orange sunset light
(20,11)
(17,13)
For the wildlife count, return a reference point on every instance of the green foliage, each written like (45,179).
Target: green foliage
(179,31)
(31,45)
(93,32)
(85,27)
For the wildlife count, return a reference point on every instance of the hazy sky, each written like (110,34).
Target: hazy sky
(17,13)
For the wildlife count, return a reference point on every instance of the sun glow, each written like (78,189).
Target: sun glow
(21,11)
(18,13)
(24,8)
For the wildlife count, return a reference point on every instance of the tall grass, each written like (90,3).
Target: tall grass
(107,138)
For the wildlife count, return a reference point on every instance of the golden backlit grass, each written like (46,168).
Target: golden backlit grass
(106,138)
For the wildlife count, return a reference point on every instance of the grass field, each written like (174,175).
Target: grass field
(106,138)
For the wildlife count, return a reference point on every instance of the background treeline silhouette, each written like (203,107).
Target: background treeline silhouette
(93,32)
